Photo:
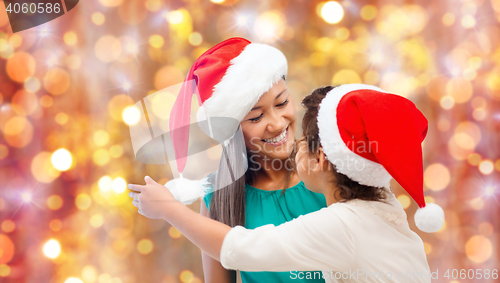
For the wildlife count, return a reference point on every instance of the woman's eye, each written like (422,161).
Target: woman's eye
(282,104)
(256,119)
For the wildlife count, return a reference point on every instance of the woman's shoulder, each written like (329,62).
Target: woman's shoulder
(209,191)
(255,187)
(296,193)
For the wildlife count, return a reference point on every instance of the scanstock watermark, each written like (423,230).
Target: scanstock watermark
(25,14)
(358,274)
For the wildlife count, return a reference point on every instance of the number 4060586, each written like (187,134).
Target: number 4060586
(33,8)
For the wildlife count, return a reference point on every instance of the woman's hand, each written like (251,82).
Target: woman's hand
(152,198)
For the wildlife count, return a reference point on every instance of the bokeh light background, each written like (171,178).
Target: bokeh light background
(66,155)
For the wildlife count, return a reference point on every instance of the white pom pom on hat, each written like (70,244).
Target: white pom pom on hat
(187,191)
(390,130)
(429,218)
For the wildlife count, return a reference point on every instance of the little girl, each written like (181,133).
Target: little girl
(355,139)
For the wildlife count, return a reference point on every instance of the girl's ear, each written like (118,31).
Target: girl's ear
(323,160)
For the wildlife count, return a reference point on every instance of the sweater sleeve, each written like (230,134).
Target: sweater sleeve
(316,241)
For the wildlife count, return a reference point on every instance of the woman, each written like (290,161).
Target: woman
(246,82)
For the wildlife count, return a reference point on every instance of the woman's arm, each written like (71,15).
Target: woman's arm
(212,269)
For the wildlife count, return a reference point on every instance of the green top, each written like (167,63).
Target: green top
(271,207)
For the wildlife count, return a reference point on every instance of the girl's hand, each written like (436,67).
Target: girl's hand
(151,199)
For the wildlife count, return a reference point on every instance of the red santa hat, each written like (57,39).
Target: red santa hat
(228,80)
(372,136)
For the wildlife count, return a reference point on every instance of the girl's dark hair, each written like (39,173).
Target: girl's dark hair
(228,204)
(347,188)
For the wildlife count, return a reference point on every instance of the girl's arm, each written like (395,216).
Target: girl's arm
(212,269)
(316,241)
(319,240)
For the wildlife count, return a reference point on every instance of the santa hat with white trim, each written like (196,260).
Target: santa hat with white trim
(228,80)
(372,136)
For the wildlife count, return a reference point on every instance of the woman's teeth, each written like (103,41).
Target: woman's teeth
(278,138)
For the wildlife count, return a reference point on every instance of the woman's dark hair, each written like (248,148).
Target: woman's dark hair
(228,204)
(347,188)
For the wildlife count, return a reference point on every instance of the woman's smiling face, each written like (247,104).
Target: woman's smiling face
(269,127)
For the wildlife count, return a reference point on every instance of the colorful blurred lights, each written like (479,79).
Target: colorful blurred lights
(55,225)
(131,46)
(98,18)
(486,167)
(52,248)
(478,249)
(62,159)
(368,12)
(489,191)
(174,233)
(145,246)
(477,203)
(464,141)
(447,102)
(126,85)
(61,118)
(131,115)
(175,17)
(332,12)
(4,270)
(269,26)
(474,159)
(186,276)
(32,84)
(119,185)
(89,273)
(105,183)
(83,201)
(116,151)
(156,40)
(101,157)
(70,38)
(54,202)
(377,58)
(44,32)
(101,137)
(241,20)
(96,220)
(8,226)
(26,197)
(404,200)
(448,19)
(427,248)
(73,280)
(195,39)
(436,177)
(468,22)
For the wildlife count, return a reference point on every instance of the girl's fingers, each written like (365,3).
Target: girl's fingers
(134,187)
(135,203)
(133,195)
(149,180)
